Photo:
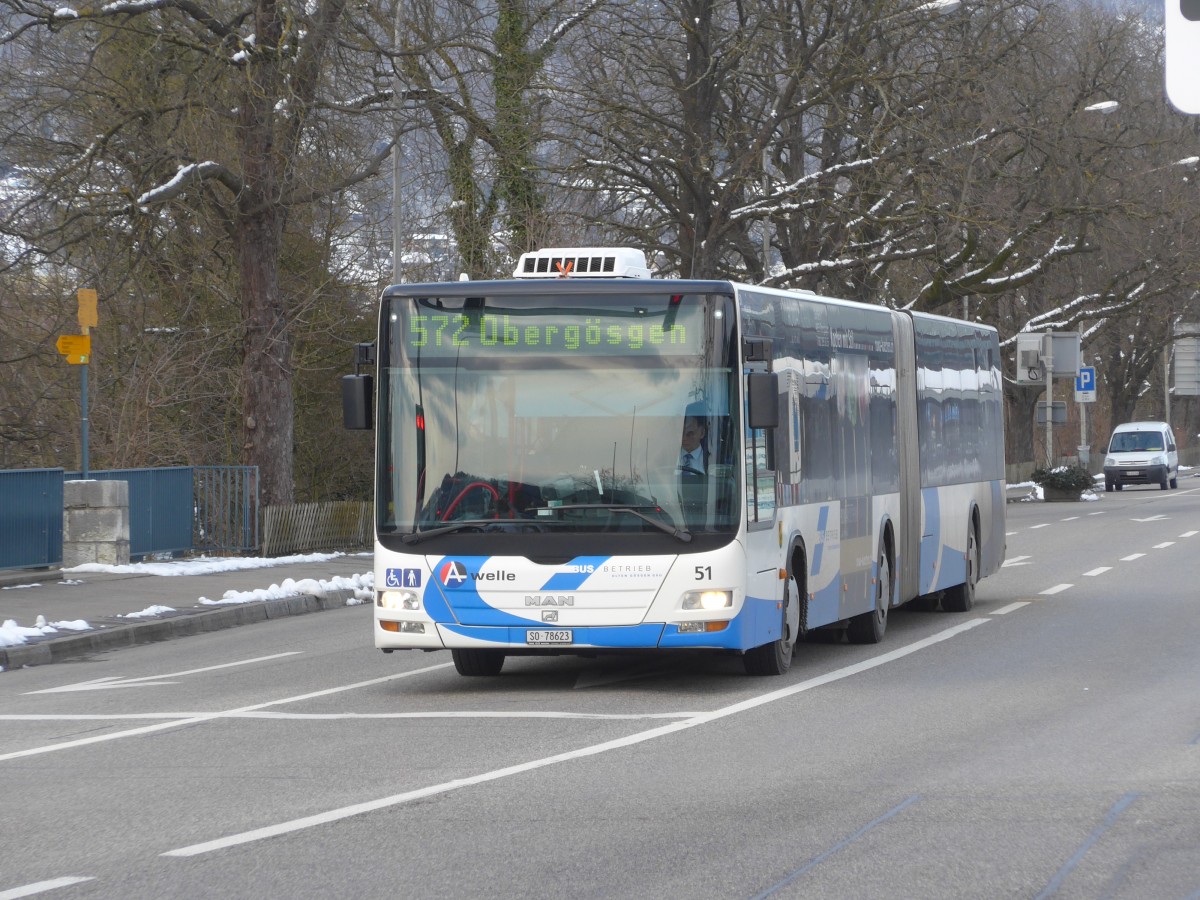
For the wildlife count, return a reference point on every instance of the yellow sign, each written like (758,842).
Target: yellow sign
(88,316)
(75,347)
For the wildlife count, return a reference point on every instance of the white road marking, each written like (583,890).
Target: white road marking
(1164,545)
(1070,518)
(1015,561)
(1189,534)
(41,887)
(205,717)
(1100,571)
(1057,589)
(1012,607)
(1150,519)
(329,717)
(114,681)
(1132,557)
(1043,525)
(346,812)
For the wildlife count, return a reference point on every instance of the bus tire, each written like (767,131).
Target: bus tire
(469,661)
(961,597)
(869,627)
(775,658)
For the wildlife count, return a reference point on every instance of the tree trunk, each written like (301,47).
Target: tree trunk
(267,403)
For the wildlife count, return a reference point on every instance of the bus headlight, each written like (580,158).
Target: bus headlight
(708,599)
(397,600)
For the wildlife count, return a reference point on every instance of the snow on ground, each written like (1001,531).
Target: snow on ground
(12,634)
(362,585)
(204,565)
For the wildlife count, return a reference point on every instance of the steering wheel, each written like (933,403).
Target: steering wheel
(466,490)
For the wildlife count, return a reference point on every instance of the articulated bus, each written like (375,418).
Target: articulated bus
(533,497)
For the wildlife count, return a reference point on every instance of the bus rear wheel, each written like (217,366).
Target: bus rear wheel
(869,627)
(477,662)
(961,597)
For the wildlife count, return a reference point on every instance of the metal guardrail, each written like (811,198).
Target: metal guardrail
(226,509)
(31,518)
(172,510)
(160,501)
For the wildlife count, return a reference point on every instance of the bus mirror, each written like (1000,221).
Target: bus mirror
(357,396)
(364,355)
(762,400)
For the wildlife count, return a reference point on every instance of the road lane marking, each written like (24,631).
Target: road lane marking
(1164,545)
(1070,518)
(1015,561)
(631,740)
(1132,557)
(1189,534)
(115,681)
(1151,519)
(1060,876)
(333,717)
(846,842)
(206,717)
(41,887)
(1043,525)
(1012,607)
(1098,571)
(1057,589)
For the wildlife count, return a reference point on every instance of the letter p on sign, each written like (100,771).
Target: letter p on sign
(1183,55)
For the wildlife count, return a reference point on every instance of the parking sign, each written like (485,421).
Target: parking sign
(1085,385)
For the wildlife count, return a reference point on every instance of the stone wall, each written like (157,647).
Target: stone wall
(95,523)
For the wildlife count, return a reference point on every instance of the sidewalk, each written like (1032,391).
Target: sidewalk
(43,613)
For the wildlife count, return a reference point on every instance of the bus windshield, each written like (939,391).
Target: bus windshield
(531,411)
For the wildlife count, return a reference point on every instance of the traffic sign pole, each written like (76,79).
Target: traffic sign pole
(83,370)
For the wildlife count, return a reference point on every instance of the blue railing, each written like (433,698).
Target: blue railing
(31,518)
(171,510)
(160,507)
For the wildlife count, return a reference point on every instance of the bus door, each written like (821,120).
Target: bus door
(762,502)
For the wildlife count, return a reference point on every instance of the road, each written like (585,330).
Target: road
(1047,743)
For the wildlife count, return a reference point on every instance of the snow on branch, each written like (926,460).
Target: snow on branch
(179,183)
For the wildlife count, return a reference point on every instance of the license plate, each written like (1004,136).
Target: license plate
(546,636)
(1133,472)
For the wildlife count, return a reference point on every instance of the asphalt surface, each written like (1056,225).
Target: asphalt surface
(106,601)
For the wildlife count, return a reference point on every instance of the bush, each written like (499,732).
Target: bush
(1067,478)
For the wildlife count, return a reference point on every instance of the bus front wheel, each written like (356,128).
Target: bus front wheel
(775,658)
(477,662)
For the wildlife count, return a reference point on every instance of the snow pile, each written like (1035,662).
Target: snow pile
(204,565)
(362,585)
(12,634)
(149,612)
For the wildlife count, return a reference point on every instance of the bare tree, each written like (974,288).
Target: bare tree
(144,114)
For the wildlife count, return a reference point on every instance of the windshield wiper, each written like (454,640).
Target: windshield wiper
(417,536)
(682,533)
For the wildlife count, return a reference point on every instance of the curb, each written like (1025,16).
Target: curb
(114,633)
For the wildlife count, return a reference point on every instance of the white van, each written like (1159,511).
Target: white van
(1141,453)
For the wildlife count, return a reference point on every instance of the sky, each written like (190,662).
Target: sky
(13,634)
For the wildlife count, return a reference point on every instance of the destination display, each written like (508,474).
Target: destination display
(664,326)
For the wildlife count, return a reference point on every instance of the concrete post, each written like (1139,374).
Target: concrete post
(95,523)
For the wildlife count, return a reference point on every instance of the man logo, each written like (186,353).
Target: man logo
(452,574)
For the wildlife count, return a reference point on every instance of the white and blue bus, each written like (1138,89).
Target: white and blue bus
(532,496)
